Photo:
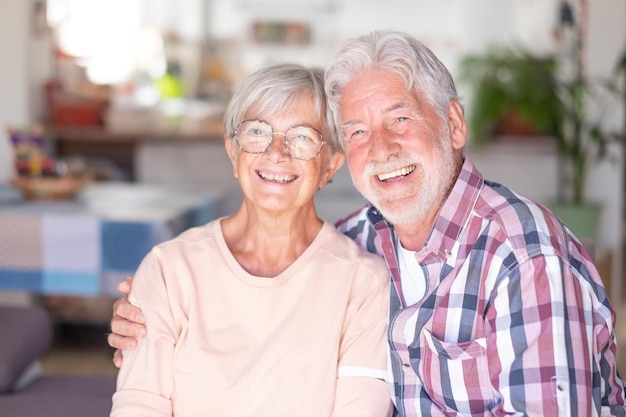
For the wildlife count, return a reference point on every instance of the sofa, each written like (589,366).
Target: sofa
(27,333)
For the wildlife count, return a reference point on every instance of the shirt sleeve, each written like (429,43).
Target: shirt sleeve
(144,389)
(551,347)
(361,385)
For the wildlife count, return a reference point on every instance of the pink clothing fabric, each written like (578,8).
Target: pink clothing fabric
(221,342)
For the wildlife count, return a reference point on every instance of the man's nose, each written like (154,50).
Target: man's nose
(383,143)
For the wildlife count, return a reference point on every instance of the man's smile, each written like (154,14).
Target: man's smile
(402,172)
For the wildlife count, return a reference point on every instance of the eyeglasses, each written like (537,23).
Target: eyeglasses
(302,142)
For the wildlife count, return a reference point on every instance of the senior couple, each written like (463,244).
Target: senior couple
(493,307)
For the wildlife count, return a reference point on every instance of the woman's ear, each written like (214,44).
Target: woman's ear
(334,161)
(233,153)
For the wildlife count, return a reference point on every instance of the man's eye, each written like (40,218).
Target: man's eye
(399,124)
(400,119)
(355,133)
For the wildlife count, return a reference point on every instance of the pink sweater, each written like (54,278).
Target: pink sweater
(221,342)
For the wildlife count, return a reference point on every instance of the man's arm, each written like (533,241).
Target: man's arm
(559,366)
(127,323)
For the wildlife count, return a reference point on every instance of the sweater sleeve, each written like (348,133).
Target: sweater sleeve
(362,397)
(361,385)
(145,379)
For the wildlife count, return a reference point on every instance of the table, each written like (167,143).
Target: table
(85,246)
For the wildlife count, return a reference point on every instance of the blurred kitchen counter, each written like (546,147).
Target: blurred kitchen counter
(207,130)
(211,131)
(118,146)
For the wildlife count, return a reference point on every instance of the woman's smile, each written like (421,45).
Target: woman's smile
(278,178)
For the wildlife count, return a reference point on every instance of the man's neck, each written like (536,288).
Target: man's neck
(413,236)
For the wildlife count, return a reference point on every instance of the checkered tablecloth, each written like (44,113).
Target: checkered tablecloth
(87,245)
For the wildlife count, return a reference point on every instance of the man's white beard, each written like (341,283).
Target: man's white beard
(411,206)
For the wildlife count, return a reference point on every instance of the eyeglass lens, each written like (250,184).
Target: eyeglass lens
(302,142)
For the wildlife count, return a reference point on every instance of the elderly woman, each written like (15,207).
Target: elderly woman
(269,312)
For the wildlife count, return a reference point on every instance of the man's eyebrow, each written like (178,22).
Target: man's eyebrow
(396,106)
(350,123)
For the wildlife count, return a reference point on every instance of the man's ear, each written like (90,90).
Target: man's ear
(233,153)
(333,163)
(457,125)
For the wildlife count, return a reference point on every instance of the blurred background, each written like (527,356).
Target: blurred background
(135,89)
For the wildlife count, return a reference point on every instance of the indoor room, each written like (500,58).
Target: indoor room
(112,142)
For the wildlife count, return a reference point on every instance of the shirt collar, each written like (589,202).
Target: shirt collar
(456,210)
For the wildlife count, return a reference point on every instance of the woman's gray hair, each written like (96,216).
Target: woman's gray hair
(273,89)
(398,52)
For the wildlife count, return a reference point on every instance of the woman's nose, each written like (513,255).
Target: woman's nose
(277,150)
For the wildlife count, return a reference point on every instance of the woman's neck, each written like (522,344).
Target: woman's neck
(266,243)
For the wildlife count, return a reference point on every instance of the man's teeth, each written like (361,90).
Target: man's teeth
(277,178)
(397,173)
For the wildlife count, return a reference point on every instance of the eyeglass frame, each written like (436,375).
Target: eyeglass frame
(284,134)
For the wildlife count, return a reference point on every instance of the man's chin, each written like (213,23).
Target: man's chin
(399,212)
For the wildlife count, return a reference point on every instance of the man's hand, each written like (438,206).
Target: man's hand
(127,323)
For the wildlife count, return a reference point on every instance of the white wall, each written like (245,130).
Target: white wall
(607,39)
(14,96)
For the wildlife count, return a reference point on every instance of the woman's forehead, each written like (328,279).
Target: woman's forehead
(301,111)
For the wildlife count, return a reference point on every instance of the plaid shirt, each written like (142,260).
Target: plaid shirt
(515,319)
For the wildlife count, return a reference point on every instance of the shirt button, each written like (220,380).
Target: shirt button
(561,386)
(406,367)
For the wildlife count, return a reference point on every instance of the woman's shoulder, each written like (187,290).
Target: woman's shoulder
(345,249)
(191,236)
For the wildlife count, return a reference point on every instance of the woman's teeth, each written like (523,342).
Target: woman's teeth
(277,177)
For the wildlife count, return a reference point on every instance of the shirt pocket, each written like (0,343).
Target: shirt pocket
(456,375)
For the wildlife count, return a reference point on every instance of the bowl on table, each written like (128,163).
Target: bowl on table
(50,188)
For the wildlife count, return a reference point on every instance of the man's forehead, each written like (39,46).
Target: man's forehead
(389,108)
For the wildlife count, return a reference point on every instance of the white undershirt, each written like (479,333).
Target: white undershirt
(412,281)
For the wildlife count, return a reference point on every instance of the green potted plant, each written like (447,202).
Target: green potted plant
(513,83)
(514,93)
